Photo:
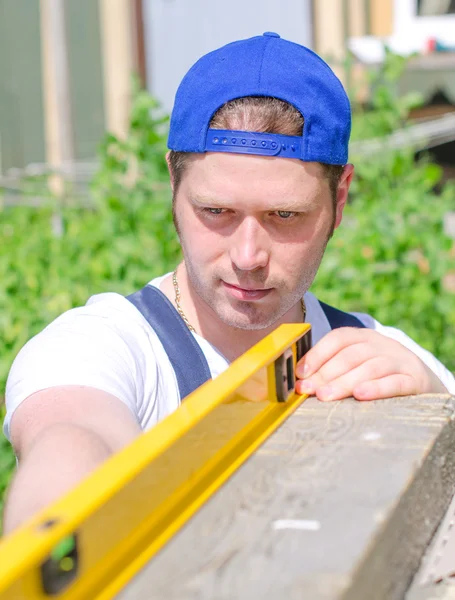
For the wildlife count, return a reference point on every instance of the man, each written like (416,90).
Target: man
(258,165)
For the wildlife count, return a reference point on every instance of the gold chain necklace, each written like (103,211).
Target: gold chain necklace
(182,314)
(177,302)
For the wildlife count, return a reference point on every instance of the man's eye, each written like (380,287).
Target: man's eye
(214,211)
(285,214)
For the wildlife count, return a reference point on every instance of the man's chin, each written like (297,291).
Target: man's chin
(252,322)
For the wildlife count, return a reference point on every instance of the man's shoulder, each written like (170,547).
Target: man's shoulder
(108,309)
(105,344)
(108,306)
(333,314)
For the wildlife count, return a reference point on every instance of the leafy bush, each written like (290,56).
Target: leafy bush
(121,243)
(390,258)
(386,110)
(7,463)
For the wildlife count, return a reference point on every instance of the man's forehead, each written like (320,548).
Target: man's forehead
(264,188)
(219,166)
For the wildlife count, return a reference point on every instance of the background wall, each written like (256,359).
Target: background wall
(178,32)
(21,103)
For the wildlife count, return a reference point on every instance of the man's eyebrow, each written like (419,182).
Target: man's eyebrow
(285,205)
(290,205)
(204,200)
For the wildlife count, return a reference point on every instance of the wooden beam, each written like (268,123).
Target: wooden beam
(56,86)
(357,18)
(57,101)
(118,52)
(358,15)
(340,503)
(418,136)
(329,33)
(139,41)
(381,15)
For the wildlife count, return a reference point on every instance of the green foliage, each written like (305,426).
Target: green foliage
(391,259)
(387,111)
(120,244)
(7,463)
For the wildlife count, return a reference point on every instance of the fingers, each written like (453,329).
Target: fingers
(346,360)
(330,345)
(364,364)
(386,387)
(356,382)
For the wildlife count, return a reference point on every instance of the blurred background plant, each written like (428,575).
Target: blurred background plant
(390,258)
(386,110)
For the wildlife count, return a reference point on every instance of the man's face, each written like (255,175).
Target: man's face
(253,232)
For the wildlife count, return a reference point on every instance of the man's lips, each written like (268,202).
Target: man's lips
(246,289)
(246,293)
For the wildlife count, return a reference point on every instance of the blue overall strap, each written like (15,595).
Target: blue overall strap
(338,318)
(187,359)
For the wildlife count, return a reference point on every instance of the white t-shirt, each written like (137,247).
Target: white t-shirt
(107,344)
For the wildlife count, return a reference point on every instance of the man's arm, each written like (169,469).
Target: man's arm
(60,435)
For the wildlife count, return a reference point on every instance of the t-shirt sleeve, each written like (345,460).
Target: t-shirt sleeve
(82,347)
(446,377)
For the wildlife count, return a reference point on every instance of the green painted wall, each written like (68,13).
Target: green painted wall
(22,134)
(21,103)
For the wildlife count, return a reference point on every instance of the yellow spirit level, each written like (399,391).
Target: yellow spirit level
(91,542)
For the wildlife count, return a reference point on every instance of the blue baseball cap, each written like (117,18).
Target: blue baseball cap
(265,65)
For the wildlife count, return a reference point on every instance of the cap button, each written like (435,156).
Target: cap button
(271,34)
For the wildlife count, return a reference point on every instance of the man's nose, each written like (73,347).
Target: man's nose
(249,250)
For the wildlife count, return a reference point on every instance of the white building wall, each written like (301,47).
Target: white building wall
(178,32)
(411,31)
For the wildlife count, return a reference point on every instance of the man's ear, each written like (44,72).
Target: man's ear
(343,191)
(171,175)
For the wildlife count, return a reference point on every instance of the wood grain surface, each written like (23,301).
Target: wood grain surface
(339,503)
(444,590)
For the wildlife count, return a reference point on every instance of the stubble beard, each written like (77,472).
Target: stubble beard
(251,315)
